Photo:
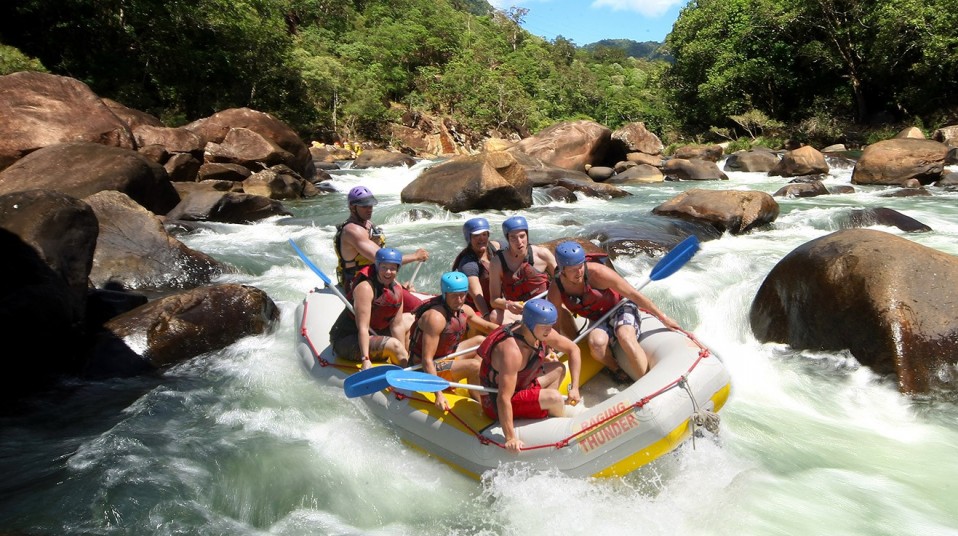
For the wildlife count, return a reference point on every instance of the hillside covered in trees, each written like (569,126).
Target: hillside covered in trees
(349,67)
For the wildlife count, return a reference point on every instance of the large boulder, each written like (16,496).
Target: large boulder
(805,160)
(712,153)
(891,302)
(569,145)
(870,217)
(645,234)
(135,251)
(897,160)
(215,128)
(378,158)
(692,169)
(176,328)
(62,229)
(83,169)
(802,189)
(226,207)
(592,188)
(38,314)
(636,138)
(478,182)
(756,160)
(734,211)
(39,110)
(947,135)
(638,174)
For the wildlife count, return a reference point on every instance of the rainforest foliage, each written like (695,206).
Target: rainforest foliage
(341,66)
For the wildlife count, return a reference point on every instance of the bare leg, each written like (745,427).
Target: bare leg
(599,348)
(633,351)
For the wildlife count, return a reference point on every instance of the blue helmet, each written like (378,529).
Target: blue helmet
(569,253)
(387,256)
(474,226)
(361,196)
(537,312)
(515,223)
(453,282)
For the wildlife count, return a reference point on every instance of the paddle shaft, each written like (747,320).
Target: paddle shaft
(414,274)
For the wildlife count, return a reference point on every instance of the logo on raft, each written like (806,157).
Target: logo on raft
(614,423)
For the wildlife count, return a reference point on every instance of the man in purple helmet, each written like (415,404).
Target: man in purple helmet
(357,239)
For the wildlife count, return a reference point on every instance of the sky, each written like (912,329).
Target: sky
(588,21)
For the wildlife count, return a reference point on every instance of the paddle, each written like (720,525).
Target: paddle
(414,274)
(427,383)
(668,265)
(317,271)
(368,381)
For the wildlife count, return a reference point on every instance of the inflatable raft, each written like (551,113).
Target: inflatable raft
(616,428)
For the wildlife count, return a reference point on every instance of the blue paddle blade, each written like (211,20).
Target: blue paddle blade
(310,264)
(368,381)
(675,259)
(411,380)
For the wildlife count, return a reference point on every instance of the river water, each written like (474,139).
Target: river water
(243,441)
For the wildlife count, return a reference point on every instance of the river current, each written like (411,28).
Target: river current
(243,441)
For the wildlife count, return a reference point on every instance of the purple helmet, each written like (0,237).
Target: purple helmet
(361,196)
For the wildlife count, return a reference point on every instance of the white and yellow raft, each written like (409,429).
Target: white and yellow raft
(614,431)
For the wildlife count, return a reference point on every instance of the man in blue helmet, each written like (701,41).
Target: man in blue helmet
(439,329)
(515,361)
(519,271)
(474,261)
(590,290)
(357,240)
(375,329)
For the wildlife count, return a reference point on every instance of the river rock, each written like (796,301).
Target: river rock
(734,211)
(215,128)
(135,251)
(891,302)
(39,110)
(692,169)
(178,327)
(897,160)
(757,160)
(483,181)
(82,169)
(802,161)
(569,145)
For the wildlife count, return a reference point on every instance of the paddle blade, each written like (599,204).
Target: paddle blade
(368,381)
(415,381)
(310,264)
(675,259)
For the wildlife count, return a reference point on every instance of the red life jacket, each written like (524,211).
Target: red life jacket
(468,255)
(593,303)
(525,282)
(387,301)
(451,336)
(489,376)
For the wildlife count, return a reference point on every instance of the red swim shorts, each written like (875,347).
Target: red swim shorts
(525,404)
